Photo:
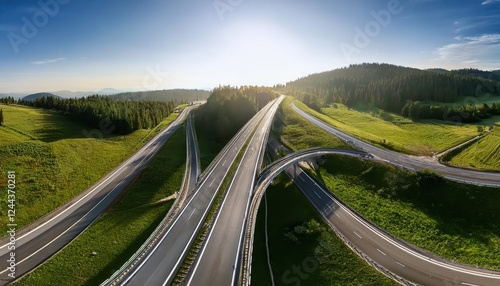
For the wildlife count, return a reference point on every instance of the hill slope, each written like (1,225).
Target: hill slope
(389,87)
(177,95)
(34,96)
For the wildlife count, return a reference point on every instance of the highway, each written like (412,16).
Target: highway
(219,258)
(163,261)
(45,237)
(404,161)
(187,188)
(404,262)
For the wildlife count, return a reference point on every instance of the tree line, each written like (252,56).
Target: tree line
(177,95)
(228,109)
(471,113)
(389,87)
(121,116)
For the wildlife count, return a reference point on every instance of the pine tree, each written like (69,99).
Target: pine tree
(1,116)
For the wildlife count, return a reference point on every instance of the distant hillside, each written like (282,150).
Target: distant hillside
(491,75)
(34,96)
(177,95)
(496,72)
(387,86)
(109,91)
(438,70)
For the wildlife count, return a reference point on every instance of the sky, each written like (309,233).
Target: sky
(89,45)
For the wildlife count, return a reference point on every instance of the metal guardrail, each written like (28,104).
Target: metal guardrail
(143,249)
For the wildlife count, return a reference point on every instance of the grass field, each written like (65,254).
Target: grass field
(392,131)
(117,234)
(457,221)
(483,154)
(54,160)
(300,134)
(298,237)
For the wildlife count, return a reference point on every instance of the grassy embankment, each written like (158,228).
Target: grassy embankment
(457,221)
(393,131)
(299,238)
(118,233)
(331,262)
(53,159)
(483,154)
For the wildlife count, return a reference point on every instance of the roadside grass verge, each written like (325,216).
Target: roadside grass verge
(392,131)
(53,159)
(120,231)
(207,146)
(456,221)
(299,237)
(209,220)
(483,154)
(298,133)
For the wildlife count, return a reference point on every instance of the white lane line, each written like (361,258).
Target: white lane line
(330,207)
(381,252)
(357,234)
(302,179)
(191,214)
(400,264)
(469,284)
(224,163)
(317,194)
(337,215)
(211,183)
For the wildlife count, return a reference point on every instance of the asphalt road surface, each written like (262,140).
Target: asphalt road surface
(401,160)
(219,258)
(44,238)
(160,266)
(405,262)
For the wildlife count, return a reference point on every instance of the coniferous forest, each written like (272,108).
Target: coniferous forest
(119,116)
(229,108)
(411,92)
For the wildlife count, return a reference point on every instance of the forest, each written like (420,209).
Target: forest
(177,95)
(401,90)
(228,109)
(118,116)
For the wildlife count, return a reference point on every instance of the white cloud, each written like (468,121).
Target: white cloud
(489,2)
(480,51)
(49,61)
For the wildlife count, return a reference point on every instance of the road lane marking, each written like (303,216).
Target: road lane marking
(224,163)
(191,214)
(357,234)
(317,194)
(400,264)
(302,179)
(211,183)
(469,284)
(381,252)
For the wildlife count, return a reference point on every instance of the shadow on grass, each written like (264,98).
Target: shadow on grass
(464,213)
(123,257)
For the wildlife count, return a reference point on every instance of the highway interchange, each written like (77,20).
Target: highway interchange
(223,253)
(395,258)
(42,239)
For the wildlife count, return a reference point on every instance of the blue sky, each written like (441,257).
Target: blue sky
(88,45)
